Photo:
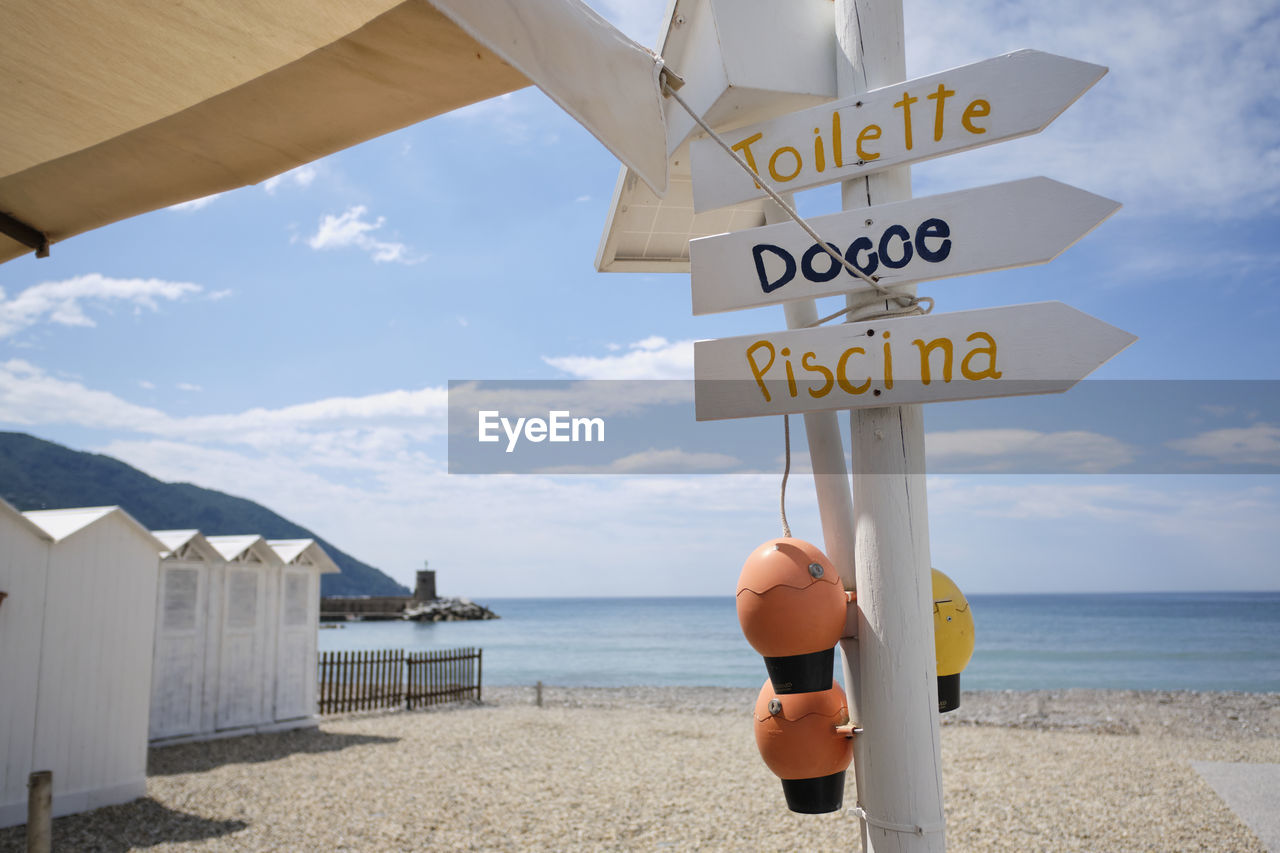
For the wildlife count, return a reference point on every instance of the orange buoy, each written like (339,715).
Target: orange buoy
(791,606)
(797,738)
(790,599)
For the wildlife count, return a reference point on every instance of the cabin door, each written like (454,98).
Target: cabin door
(179,652)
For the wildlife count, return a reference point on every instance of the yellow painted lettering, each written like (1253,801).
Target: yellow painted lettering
(843,378)
(806,361)
(756,370)
(926,350)
(791,374)
(773,161)
(819,158)
(905,104)
(888,364)
(976,109)
(871,131)
(837,142)
(989,350)
(744,148)
(940,96)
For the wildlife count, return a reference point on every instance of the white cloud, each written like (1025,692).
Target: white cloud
(352,229)
(1258,444)
(64,302)
(29,396)
(303,176)
(651,358)
(641,20)
(1184,121)
(334,431)
(507,115)
(187,386)
(1152,504)
(195,203)
(366,473)
(654,461)
(1013,450)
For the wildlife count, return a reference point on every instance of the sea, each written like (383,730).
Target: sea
(1219,641)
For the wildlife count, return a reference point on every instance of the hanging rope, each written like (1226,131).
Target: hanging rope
(786,472)
(904,828)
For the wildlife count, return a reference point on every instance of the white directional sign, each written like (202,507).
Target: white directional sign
(1015,224)
(1012,95)
(1040,348)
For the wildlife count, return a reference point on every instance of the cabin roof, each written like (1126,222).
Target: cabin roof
(61,524)
(294,551)
(185,542)
(236,548)
(10,510)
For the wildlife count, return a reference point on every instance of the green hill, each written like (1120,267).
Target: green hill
(38,474)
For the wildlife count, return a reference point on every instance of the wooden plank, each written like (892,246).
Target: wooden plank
(1007,225)
(1039,348)
(1001,98)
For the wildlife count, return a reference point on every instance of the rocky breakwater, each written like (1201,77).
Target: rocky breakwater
(446,610)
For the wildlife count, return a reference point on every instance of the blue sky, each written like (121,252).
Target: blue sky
(292,342)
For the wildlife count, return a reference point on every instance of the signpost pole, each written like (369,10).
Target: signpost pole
(891,669)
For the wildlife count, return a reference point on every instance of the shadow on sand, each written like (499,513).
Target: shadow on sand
(147,823)
(206,755)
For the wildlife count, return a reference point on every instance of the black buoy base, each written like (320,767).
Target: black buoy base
(801,673)
(948,692)
(820,795)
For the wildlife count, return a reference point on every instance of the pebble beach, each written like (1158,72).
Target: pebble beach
(676,769)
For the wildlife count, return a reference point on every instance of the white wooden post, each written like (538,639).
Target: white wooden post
(40,811)
(891,669)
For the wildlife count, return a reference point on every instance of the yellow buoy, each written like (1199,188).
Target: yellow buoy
(952,638)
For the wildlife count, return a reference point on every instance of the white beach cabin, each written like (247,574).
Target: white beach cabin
(186,644)
(76,631)
(243,602)
(297,628)
(237,619)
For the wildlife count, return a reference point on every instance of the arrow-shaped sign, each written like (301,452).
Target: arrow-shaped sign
(1012,95)
(1040,348)
(1014,224)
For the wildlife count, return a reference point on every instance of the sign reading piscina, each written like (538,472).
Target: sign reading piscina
(1040,348)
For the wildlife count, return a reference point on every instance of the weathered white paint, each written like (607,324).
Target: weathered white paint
(1038,348)
(298,619)
(1014,224)
(182,633)
(93,649)
(889,670)
(245,636)
(1022,92)
(245,659)
(24,555)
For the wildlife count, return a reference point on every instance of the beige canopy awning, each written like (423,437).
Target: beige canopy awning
(110,109)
